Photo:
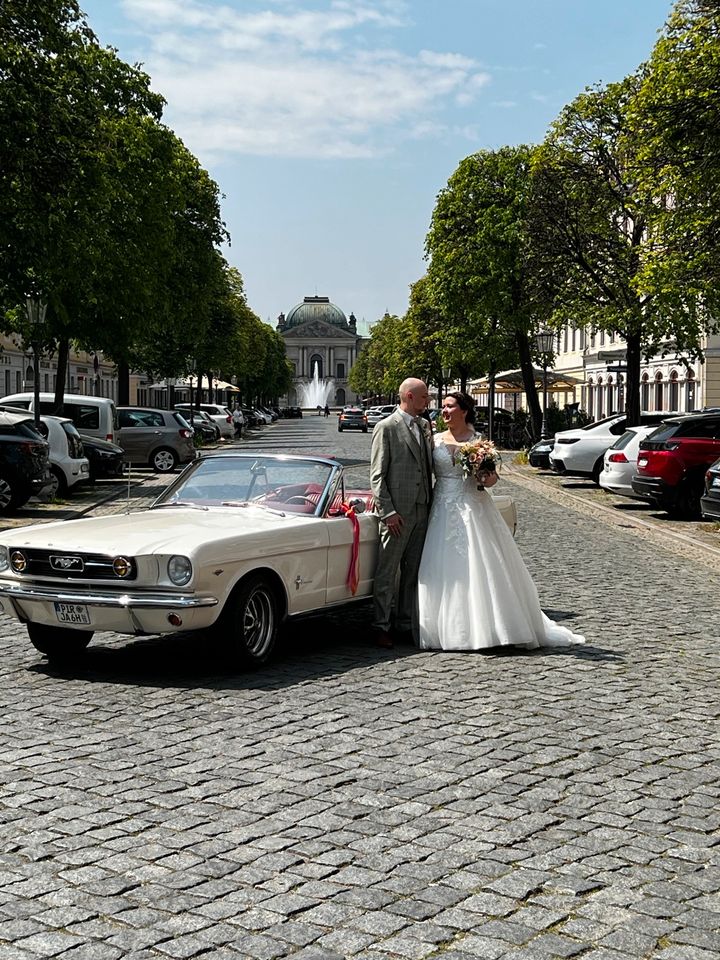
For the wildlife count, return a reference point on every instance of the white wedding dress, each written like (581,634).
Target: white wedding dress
(474,590)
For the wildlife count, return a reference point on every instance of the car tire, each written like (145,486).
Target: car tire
(164,460)
(58,487)
(12,495)
(597,470)
(686,505)
(58,643)
(248,625)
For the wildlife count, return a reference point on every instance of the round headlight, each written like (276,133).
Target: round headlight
(122,567)
(18,561)
(4,558)
(179,570)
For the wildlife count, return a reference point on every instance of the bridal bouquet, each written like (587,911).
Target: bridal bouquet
(478,458)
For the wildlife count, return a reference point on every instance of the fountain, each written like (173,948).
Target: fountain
(316,393)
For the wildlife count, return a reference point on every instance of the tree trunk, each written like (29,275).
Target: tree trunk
(123,384)
(526,365)
(632,396)
(63,354)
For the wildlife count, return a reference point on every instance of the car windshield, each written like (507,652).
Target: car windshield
(280,483)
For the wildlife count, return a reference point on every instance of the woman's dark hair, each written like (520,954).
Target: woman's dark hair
(465,402)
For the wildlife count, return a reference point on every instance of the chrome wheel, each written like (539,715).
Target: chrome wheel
(249,627)
(164,461)
(6,495)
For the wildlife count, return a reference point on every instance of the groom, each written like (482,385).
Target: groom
(401,481)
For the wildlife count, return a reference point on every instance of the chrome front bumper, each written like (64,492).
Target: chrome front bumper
(146,601)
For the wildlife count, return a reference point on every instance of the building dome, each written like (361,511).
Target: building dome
(315,308)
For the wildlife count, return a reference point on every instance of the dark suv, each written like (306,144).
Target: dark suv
(24,468)
(353,418)
(673,460)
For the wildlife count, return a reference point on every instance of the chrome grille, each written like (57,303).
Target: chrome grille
(60,565)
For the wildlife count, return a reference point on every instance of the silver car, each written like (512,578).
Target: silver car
(160,438)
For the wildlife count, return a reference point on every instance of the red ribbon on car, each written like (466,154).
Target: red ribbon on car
(353,577)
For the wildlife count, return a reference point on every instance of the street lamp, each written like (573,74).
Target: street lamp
(36,310)
(544,341)
(445,373)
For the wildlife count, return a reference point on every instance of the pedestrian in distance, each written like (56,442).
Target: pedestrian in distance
(319,409)
(327,410)
(401,481)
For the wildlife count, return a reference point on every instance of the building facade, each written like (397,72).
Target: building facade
(322,344)
(88,374)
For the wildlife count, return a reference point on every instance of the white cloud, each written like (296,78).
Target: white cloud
(298,81)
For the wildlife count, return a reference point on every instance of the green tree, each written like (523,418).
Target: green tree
(590,226)
(478,246)
(674,118)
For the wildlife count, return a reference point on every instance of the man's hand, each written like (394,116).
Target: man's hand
(394,524)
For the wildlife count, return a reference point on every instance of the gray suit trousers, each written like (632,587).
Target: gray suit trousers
(399,556)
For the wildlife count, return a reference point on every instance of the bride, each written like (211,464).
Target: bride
(474,590)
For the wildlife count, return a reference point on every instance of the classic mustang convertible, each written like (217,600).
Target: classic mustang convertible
(238,543)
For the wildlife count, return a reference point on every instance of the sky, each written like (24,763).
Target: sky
(330,126)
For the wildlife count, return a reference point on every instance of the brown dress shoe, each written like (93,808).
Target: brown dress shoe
(383,639)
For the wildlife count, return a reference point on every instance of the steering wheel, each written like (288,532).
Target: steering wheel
(299,499)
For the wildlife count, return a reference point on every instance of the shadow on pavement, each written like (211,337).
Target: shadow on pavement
(322,646)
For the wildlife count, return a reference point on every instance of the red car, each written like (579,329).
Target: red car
(673,460)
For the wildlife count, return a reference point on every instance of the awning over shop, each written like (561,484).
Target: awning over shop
(511,381)
(187,382)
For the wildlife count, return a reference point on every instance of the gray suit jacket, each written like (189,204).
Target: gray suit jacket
(397,476)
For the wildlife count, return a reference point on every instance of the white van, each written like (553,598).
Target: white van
(94,416)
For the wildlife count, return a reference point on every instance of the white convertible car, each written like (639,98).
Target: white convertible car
(238,542)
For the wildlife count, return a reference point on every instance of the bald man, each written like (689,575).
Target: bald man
(401,480)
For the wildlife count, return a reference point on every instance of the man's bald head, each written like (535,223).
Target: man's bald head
(413,396)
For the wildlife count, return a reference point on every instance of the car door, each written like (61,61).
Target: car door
(340,537)
(138,434)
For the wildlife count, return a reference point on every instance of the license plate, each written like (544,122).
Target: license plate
(642,462)
(72,613)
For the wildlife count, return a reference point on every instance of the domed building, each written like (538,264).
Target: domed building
(320,341)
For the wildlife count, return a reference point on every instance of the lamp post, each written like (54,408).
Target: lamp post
(36,310)
(445,374)
(544,345)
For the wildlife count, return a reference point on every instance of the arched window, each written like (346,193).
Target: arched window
(340,398)
(690,390)
(645,393)
(29,374)
(600,399)
(316,362)
(659,391)
(674,392)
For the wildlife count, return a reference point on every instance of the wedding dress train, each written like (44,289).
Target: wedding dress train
(474,590)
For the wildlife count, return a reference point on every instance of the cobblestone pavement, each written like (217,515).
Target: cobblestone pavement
(348,802)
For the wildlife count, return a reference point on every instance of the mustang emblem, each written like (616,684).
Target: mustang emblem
(67,563)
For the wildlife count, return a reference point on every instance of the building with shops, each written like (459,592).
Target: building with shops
(593,364)
(320,341)
(87,373)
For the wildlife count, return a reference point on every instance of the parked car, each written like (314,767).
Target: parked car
(94,416)
(673,461)
(710,501)
(202,423)
(262,415)
(160,438)
(106,459)
(621,461)
(539,453)
(374,415)
(68,463)
(237,543)
(352,418)
(580,452)
(219,413)
(24,463)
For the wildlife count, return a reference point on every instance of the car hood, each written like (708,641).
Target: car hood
(168,530)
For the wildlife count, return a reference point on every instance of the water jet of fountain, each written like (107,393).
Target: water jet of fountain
(316,393)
